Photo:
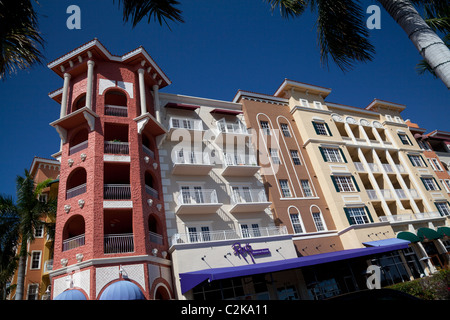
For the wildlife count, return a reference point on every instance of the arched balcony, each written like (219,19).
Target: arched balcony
(116,103)
(154,229)
(151,186)
(79,102)
(76,183)
(73,233)
(148,145)
(79,141)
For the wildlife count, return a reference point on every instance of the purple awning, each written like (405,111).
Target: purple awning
(191,279)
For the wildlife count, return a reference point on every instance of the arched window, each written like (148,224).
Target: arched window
(73,233)
(76,183)
(155,234)
(296,220)
(79,141)
(318,218)
(116,103)
(151,186)
(79,102)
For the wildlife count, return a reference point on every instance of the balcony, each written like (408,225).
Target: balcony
(388,195)
(152,192)
(73,242)
(48,266)
(239,165)
(197,201)
(118,243)
(248,200)
(118,111)
(191,163)
(221,235)
(117,192)
(76,191)
(234,132)
(148,151)
(155,238)
(114,147)
(81,146)
(409,217)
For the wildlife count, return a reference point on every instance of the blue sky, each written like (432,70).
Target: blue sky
(222,47)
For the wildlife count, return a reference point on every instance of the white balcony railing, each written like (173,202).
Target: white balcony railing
(113,147)
(235,159)
(48,265)
(118,243)
(189,124)
(118,111)
(409,217)
(427,215)
(116,191)
(220,235)
(228,127)
(78,147)
(243,195)
(385,193)
(191,157)
(200,196)
(75,191)
(73,242)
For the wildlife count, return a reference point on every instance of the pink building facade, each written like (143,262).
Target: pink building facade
(110,226)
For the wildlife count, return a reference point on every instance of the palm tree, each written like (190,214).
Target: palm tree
(22,219)
(19,37)
(342,34)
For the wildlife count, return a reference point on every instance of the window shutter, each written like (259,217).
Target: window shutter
(356,185)
(342,154)
(423,161)
(315,127)
(410,143)
(368,214)
(335,184)
(323,154)
(328,129)
(348,216)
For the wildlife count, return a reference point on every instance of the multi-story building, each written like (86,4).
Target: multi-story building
(110,238)
(40,260)
(282,196)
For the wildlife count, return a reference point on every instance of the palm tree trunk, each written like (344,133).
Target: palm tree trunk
(430,46)
(20,277)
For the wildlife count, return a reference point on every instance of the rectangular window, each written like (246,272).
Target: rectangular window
(253,231)
(447,184)
(416,160)
(423,145)
(39,231)
(306,188)
(274,155)
(435,164)
(296,224)
(344,183)
(317,217)
(443,208)
(430,184)
(286,192)
(321,128)
(356,215)
(265,127)
(285,130)
(404,139)
(332,154)
(295,157)
(35,260)
(33,291)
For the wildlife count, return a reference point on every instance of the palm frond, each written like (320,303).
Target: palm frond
(288,8)
(342,33)
(161,10)
(20,38)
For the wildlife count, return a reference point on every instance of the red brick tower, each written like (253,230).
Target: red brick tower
(110,226)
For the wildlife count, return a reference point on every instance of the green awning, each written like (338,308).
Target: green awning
(408,236)
(444,231)
(427,234)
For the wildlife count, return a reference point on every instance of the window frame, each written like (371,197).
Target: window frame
(350,183)
(363,216)
(321,131)
(297,224)
(285,188)
(295,156)
(328,156)
(285,129)
(32,259)
(308,189)
(275,155)
(265,127)
(447,208)
(434,184)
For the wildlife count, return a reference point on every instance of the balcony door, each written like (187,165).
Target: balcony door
(192,194)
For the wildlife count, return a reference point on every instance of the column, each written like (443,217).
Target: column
(156,102)
(142,91)
(90,76)
(64,95)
